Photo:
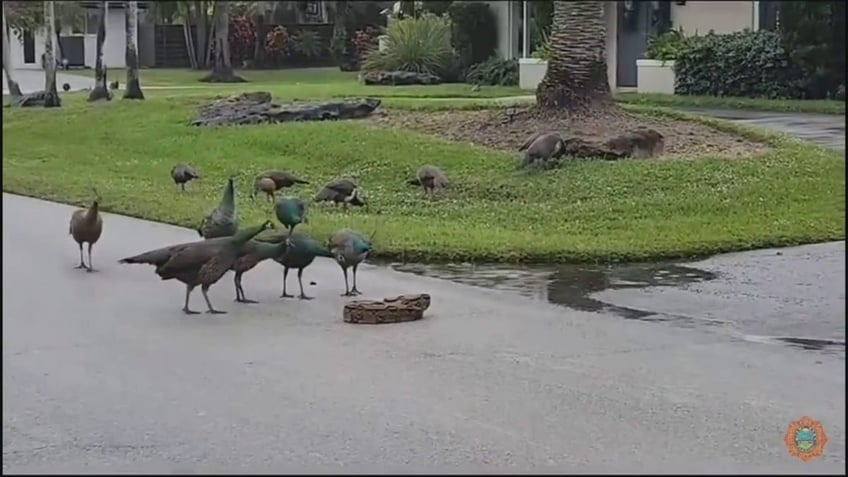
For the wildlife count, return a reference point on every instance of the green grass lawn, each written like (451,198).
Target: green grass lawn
(821,106)
(587,211)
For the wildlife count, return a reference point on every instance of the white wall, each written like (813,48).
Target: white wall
(722,17)
(113,48)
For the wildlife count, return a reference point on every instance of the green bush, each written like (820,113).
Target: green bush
(742,64)
(543,47)
(475,32)
(665,47)
(421,45)
(494,72)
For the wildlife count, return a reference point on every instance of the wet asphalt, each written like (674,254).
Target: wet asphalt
(103,373)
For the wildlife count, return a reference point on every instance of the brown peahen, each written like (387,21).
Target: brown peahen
(282,179)
(199,263)
(300,253)
(430,178)
(221,221)
(182,173)
(265,185)
(542,147)
(349,248)
(86,227)
(253,253)
(342,191)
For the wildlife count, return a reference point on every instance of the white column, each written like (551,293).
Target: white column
(525,22)
(756,16)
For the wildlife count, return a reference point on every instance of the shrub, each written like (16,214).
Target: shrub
(421,45)
(242,38)
(494,72)
(742,64)
(276,42)
(665,47)
(365,40)
(306,43)
(543,47)
(475,32)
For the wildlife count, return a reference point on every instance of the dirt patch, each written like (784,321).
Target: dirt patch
(493,129)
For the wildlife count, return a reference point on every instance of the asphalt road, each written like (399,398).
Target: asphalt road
(103,373)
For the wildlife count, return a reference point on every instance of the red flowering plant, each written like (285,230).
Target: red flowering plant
(276,43)
(242,38)
(365,40)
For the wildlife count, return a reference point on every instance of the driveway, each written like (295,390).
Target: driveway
(103,373)
(31,81)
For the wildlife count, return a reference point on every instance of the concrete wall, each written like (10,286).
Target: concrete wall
(508,18)
(721,17)
(113,48)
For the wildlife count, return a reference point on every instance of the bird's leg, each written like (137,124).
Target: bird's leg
(204,289)
(182,186)
(300,282)
(236,284)
(285,275)
(354,291)
(90,263)
(347,291)
(240,290)
(82,262)
(186,309)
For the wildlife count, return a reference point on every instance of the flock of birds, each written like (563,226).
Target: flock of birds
(225,246)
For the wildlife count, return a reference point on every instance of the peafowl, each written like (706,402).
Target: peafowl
(349,248)
(430,178)
(199,263)
(254,252)
(87,226)
(343,191)
(183,173)
(300,254)
(282,179)
(265,185)
(542,147)
(221,221)
(291,211)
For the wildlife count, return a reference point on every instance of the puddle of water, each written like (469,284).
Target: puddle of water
(810,344)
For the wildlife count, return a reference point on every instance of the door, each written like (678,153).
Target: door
(29,48)
(73,50)
(633,31)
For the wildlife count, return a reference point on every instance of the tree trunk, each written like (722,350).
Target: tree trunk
(14,87)
(188,20)
(201,29)
(576,82)
(51,97)
(341,46)
(259,41)
(100,91)
(210,34)
(133,90)
(222,72)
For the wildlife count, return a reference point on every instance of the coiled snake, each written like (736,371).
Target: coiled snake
(390,310)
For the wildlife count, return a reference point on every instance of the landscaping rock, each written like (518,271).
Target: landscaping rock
(399,78)
(257,108)
(29,100)
(637,143)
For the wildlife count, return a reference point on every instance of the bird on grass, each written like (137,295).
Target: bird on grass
(343,191)
(430,178)
(282,179)
(300,253)
(182,174)
(254,252)
(349,248)
(291,211)
(86,227)
(221,221)
(203,262)
(265,185)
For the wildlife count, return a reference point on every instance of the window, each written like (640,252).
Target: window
(92,20)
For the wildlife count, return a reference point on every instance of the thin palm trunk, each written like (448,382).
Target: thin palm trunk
(222,72)
(51,98)
(133,90)
(100,90)
(576,81)
(14,87)
(202,30)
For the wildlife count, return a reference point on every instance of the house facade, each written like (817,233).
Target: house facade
(78,45)
(630,25)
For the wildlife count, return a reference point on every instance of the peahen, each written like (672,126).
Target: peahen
(282,179)
(349,248)
(342,191)
(199,263)
(252,253)
(300,254)
(221,221)
(542,147)
(291,211)
(183,173)
(87,226)
(265,185)
(430,178)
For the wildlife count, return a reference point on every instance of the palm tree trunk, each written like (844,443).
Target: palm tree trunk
(202,30)
(51,98)
(14,87)
(133,90)
(222,72)
(576,81)
(100,90)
